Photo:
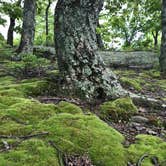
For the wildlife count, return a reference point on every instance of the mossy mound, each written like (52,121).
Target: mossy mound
(129,82)
(71,130)
(9,86)
(80,134)
(150,145)
(32,152)
(25,110)
(120,109)
(65,107)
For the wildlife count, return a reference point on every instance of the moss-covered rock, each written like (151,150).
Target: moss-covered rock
(79,134)
(150,145)
(120,109)
(32,152)
(71,130)
(31,112)
(65,107)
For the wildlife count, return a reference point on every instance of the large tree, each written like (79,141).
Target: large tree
(163,42)
(80,65)
(28,28)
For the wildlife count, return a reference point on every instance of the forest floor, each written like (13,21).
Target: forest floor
(23,115)
(149,119)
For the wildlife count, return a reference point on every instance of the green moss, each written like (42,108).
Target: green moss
(120,109)
(31,112)
(126,73)
(8,101)
(129,82)
(153,73)
(10,127)
(79,134)
(11,92)
(4,81)
(32,152)
(161,84)
(146,144)
(65,107)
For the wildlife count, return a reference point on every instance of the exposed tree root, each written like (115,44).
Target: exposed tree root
(147,101)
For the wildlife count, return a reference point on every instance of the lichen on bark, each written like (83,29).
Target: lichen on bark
(76,46)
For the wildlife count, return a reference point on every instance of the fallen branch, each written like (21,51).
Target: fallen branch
(141,159)
(23,137)
(56,100)
(60,154)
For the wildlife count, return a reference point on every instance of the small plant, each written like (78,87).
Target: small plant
(29,66)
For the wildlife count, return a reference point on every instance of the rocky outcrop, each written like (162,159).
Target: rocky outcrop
(137,59)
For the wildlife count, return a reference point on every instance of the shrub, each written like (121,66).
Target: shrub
(29,66)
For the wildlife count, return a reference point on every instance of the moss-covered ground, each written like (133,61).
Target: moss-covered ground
(68,130)
(143,81)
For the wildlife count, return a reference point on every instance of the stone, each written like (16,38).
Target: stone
(139,119)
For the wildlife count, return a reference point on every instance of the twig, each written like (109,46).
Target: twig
(23,137)
(141,159)
(58,99)
(60,153)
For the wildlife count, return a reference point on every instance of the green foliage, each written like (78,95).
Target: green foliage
(40,35)
(131,23)
(6,52)
(29,66)
(12,9)
(2,21)
(120,109)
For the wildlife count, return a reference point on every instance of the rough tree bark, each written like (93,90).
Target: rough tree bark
(11,31)
(28,28)
(163,40)
(76,46)
(47,26)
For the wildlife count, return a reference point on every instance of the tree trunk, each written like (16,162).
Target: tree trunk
(10,34)
(155,38)
(163,40)
(47,26)
(28,28)
(11,31)
(99,38)
(76,46)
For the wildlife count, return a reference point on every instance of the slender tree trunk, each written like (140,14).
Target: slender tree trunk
(155,38)
(99,38)
(76,48)
(47,26)
(163,40)
(11,31)
(10,34)
(28,28)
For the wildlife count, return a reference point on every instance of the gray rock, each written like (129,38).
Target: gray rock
(136,59)
(139,119)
